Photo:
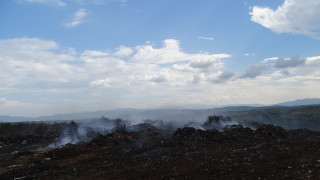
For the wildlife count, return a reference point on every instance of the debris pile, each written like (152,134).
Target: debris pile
(145,151)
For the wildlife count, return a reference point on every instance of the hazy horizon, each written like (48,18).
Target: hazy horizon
(59,56)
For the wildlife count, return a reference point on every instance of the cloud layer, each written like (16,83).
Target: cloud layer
(57,80)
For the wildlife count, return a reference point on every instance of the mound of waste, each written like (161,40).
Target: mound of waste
(150,151)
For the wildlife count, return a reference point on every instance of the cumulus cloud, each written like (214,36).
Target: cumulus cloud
(204,61)
(94,53)
(27,62)
(78,18)
(222,77)
(293,16)
(172,53)
(44,71)
(255,70)
(52,2)
(123,51)
(295,65)
(163,75)
(32,62)
(289,62)
(310,68)
(27,50)
(182,67)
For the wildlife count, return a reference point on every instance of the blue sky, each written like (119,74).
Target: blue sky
(61,56)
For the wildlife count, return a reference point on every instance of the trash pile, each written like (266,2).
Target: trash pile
(147,151)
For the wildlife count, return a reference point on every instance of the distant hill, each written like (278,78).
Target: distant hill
(288,117)
(301,102)
(13,118)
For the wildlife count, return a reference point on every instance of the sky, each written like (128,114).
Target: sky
(66,56)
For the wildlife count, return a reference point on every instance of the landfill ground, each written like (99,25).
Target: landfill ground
(149,152)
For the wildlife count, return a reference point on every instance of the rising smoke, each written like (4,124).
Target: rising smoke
(84,131)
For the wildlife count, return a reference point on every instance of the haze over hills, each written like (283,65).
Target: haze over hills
(13,118)
(293,114)
(301,102)
(284,114)
(126,112)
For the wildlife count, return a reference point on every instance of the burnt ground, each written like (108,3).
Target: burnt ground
(269,152)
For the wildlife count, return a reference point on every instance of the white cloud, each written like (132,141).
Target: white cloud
(248,54)
(205,61)
(205,38)
(102,82)
(123,51)
(270,59)
(27,44)
(94,53)
(296,66)
(29,61)
(78,18)
(52,2)
(314,59)
(157,78)
(40,69)
(293,16)
(172,53)
(201,62)
(183,68)
(4,103)
(310,68)
(160,76)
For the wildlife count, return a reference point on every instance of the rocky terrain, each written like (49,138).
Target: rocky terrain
(147,151)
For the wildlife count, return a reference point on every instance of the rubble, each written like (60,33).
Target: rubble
(144,151)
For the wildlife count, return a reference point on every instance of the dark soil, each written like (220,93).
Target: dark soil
(269,152)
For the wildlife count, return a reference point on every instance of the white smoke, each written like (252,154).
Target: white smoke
(83,132)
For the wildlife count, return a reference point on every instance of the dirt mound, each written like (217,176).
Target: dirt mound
(271,132)
(189,136)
